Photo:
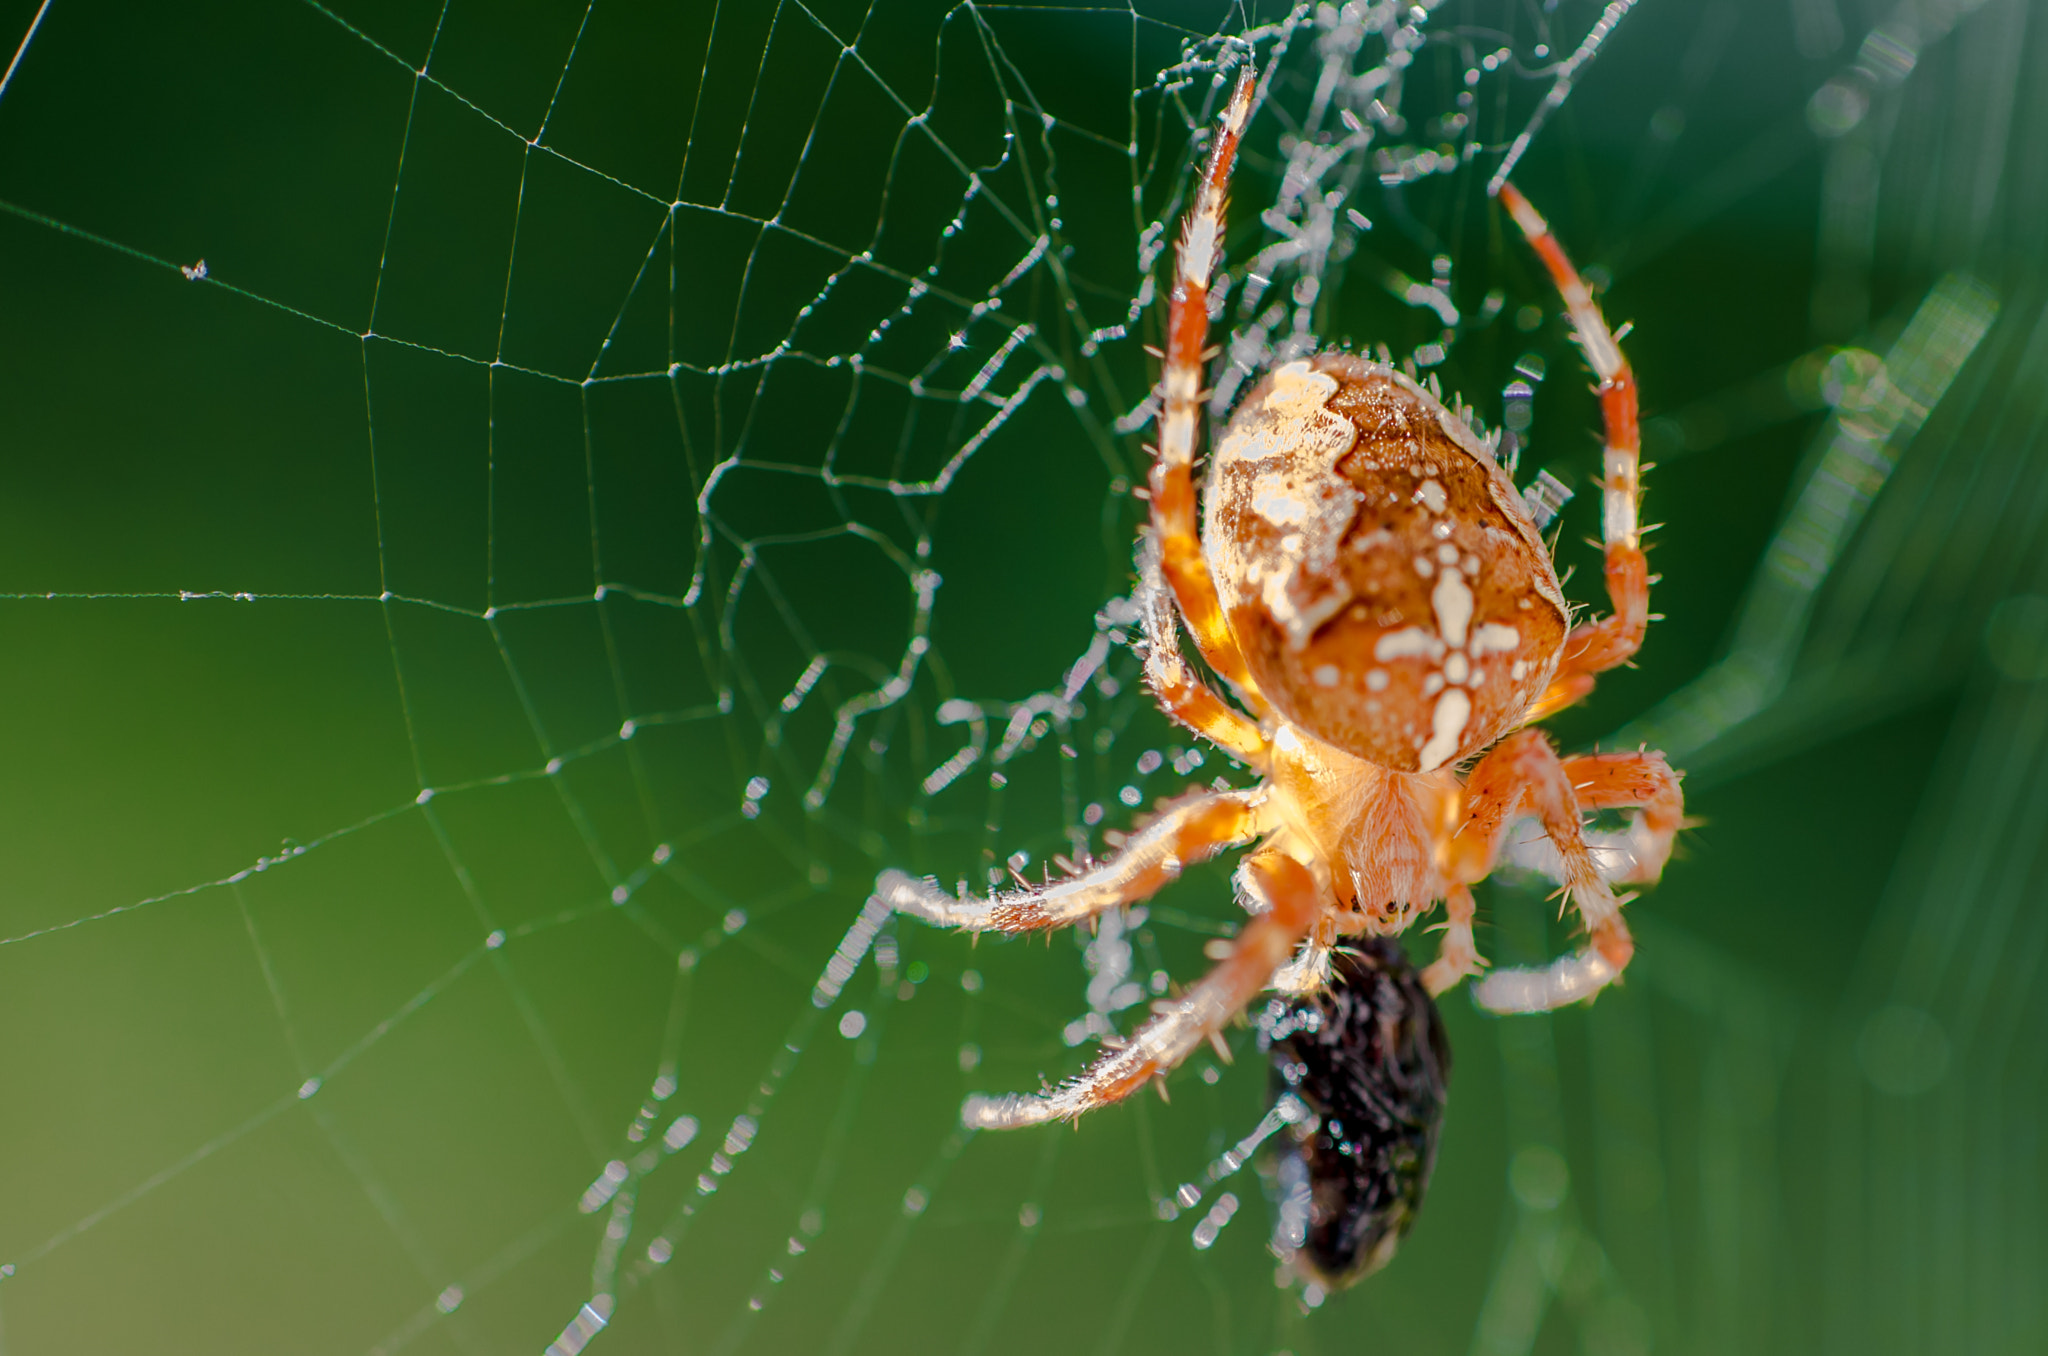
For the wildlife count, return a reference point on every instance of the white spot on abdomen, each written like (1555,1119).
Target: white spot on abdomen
(1432,496)
(1301,619)
(1278,461)
(1493,636)
(1279,505)
(1409,643)
(1453,603)
(1447,727)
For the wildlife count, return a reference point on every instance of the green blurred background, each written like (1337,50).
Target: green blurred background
(470,651)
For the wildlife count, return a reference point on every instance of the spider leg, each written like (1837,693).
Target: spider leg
(1641,781)
(1179,689)
(1171,482)
(1458,955)
(1293,901)
(1595,647)
(1615,781)
(1152,858)
(1523,771)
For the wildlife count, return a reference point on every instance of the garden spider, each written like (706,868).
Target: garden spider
(1372,587)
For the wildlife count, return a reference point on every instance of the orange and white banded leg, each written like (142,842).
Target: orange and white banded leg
(1152,859)
(1293,901)
(1524,773)
(1598,646)
(1179,689)
(1171,483)
(1457,956)
(1643,782)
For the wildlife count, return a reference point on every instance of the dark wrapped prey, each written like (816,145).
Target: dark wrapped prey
(1369,1060)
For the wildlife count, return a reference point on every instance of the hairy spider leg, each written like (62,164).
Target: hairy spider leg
(1595,647)
(1171,481)
(1292,901)
(1523,771)
(1152,859)
(1180,691)
(1639,781)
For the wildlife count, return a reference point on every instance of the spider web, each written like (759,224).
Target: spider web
(513,519)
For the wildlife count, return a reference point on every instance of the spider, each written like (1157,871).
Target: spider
(1372,588)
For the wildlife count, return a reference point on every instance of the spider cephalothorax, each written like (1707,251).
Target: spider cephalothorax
(1372,588)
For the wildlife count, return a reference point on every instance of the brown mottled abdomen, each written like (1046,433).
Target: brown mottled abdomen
(1377,567)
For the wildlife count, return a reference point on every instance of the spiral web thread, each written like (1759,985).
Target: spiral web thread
(915,283)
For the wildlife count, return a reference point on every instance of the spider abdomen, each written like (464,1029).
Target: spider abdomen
(1369,1058)
(1376,566)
